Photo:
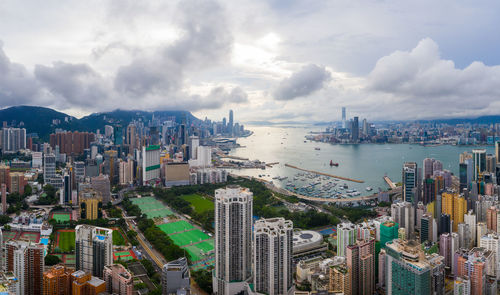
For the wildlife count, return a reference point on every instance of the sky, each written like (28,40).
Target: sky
(275,60)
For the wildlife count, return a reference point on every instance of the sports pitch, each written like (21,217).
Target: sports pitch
(200,204)
(152,207)
(66,240)
(175,227)
(61,216)
(189,237)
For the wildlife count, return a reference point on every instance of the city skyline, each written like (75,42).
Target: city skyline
(272,60)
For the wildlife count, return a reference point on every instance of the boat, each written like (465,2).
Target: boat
(317,148)
(333,164)
(369,189)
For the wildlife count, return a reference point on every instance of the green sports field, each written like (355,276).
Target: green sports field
(118,239)
(175,227)
(152,207)
(189,237)
(66,241)
(199,251)
(62,216)
(200,204)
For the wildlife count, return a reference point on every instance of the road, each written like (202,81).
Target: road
(156,257)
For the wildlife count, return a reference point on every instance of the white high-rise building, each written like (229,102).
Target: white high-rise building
(233,240)
(346,235)
(194,143)
(273,266)
(455,245)
(150,163)
(470,219)
(492,242)
(13,139)
(49,167)
(94,248)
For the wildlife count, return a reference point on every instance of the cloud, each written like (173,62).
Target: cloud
(422,77)
(73,84)
(17,85)
(205,42)
(302,83)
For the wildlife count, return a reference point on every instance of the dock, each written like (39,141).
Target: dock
(272,164)
(233,157)
(324,174)
(391,184)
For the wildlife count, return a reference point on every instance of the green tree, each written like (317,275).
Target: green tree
(51,260)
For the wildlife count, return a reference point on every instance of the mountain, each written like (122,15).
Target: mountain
(37,119)
(44,121)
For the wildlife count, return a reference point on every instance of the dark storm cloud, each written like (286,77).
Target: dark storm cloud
(74,84)
(205,42)
(17,86)
(302,83)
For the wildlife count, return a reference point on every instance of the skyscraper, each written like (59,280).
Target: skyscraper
(93,248)
(492,242)
(360,259)
(233,239)
(497,151)
(131,138)
(409,181)
(230,123)
(355,130)
(26,261)
(346,235)
(473,265)
(150,163)
(428,164)
(388,232)
(4,198)
(273,266)
(57,280)
(344,124)
(175,276)
(479,162)
(13,139)
(49,167)
(409,270)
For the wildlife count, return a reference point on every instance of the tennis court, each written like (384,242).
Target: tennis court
(143,200)
(61,216)
(189,237)
(124,255)
(152,207)
(158,213)
(9,235)
(30,236)
(175,227)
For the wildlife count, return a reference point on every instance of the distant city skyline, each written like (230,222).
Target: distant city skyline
(275,60)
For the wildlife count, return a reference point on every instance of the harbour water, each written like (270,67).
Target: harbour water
(367,162)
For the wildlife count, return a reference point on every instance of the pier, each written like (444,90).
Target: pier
(324,174)
(272,164)
(391,184)
(233,157)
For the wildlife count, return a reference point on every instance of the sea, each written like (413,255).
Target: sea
(366,162)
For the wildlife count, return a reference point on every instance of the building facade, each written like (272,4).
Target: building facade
(233,239)
(273,267)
